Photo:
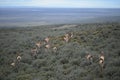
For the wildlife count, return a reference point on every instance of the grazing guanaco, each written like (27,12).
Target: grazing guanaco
(47,46)
(38,44)
(47,39)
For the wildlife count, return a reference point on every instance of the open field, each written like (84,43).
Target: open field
(68,62)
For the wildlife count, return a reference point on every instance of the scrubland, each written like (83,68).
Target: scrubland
(68,62)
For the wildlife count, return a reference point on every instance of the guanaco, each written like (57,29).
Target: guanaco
(71,35)
(89,57)
(47,39)
(47,46)
(38,44)
(19,58)
(54,48)
(66,39)
(101,59)
(101,63)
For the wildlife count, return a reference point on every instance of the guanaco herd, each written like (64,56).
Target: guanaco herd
(66,38)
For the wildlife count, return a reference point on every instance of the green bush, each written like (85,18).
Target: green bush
(24,77)
(64,61)
(38,63)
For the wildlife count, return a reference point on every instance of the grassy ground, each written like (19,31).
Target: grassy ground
(68,62)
